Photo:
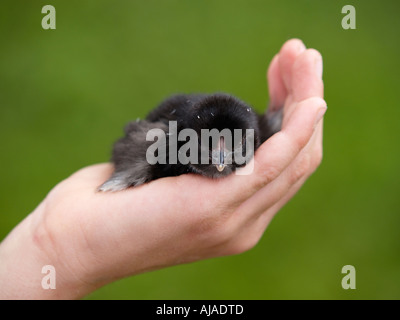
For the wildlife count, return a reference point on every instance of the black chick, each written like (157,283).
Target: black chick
(197,112)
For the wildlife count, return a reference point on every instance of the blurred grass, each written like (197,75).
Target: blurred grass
(66,94)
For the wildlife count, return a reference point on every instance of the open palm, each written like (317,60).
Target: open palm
(94,238)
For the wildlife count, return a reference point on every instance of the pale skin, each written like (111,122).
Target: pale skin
(94,238)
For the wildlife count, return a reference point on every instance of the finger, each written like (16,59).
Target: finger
(276,87)
(287,56)
(316,143)
(248,233)
(245,238)
(257,227)
(267,215)
(306,78)
(275,154)
(306,162)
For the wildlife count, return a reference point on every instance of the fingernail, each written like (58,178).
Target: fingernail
(320,114)
(319,66)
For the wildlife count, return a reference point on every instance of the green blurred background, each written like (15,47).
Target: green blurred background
(65,95)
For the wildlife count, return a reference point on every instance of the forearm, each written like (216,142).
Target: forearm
(21,261)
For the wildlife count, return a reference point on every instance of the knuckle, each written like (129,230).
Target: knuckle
(224,233)
(298,142)
(239,247)
(301,141)
(301,167)
(212,228)
(267,175)
(317,158)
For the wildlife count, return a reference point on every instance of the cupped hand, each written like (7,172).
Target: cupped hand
(93,238)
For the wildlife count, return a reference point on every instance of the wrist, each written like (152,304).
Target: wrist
(23,255)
